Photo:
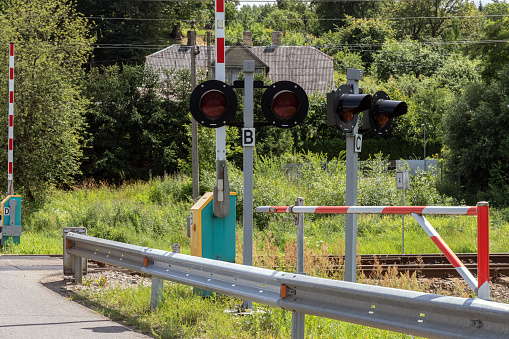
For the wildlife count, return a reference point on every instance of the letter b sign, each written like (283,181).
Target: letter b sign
(248,137)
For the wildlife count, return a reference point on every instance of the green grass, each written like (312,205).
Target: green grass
(185,315)
(36,243)
(154,213)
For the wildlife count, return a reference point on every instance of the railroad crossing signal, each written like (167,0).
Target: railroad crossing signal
(213,103)
(343,107)
(379,118)
(284,104)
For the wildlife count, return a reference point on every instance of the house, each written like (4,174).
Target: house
(312,69)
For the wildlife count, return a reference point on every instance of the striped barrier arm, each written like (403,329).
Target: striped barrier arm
(429,210)
(480,286)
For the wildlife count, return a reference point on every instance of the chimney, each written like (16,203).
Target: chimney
(191,38)
(247,38)
(276,38)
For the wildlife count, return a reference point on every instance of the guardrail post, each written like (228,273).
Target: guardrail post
(483,250)
(68,258)
(299,319)
(156,293)
(77,266)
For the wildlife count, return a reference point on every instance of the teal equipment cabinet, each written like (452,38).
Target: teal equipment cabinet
(212,237)
(11,219)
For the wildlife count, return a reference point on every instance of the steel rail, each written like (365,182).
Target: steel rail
(416,313)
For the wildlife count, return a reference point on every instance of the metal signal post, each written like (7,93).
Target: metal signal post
(248,143)
(352,76)
(343,107)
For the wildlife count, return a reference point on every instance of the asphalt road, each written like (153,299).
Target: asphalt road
(30,307)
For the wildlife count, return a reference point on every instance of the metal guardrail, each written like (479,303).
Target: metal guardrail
(416,313)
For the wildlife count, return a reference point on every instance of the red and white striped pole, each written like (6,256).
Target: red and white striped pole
(10,154)
(483,250)
(446,250)
(220,73)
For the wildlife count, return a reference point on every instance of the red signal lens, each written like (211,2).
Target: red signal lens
(382,120)
(285,104)
(213,104)
(347,116)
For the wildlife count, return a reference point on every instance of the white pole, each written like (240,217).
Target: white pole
(221,204)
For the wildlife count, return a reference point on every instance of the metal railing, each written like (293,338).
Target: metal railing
(416,313)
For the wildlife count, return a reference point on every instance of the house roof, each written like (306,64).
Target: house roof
(312,69)
(236,54)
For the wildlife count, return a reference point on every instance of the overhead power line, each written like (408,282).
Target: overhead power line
(286,19)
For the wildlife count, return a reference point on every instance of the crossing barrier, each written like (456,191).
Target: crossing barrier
(480,285)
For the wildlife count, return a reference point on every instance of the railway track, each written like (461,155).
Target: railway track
(424,265)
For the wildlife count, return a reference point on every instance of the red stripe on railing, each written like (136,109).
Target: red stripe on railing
(403,209)
(472,211)
(332,209)
(449,254)
(11,50)
(278,209)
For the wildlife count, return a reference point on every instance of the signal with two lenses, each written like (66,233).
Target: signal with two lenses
(343,108)
(284,104)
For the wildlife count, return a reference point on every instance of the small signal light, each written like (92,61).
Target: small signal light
(343,107)
(380,116)
(213,103)
(285,104)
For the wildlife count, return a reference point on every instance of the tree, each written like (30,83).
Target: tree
(360,36)
(51,44)
(477,142)
(422,20)
(136,123)
(496,32)
(406,57)
(333,14)
(127,31)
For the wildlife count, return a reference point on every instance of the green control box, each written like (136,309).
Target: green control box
(212,237)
